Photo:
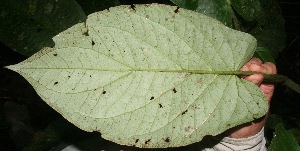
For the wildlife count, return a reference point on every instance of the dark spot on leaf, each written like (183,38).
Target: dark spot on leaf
(176,10)
(103,92)
(152,97)
(147,16)
(90,76)
(55,54)
(184,112)
(86,33)
(147,141)
(137,140)
(55,83)
(132,7)
(93,43)
(174,127)
(167,140)
(69,77)
(174,90)
(160,105)
(124,51)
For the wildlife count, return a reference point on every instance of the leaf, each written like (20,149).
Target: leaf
(92,6)
(148,76)
(218,9)
(248,9)
(264,54)
(283,140)
(269,29)
(29,25)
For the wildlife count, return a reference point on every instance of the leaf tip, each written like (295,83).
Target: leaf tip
(12,67)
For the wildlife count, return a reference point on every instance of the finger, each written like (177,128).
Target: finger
(257,68)
(255,78)
(270,68)
(268,90)
(255,61)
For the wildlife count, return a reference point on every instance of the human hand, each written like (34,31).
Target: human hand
(252,128)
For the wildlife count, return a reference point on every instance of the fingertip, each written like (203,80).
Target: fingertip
(255,61)
(270,67)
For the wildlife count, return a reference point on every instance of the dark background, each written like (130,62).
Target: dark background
(25,118)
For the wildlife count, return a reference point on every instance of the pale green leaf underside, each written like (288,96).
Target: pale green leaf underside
(130,74)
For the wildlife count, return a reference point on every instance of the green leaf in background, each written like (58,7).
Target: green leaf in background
(264,55)
(269,29)
(28,25)
(283,140)
(91,6)
(248,9)
(218,9)
(260,18)
(148,76)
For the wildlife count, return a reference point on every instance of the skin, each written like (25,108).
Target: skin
(252,128)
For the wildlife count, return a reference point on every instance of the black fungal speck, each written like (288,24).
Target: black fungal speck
(69,77)
(184,112)
(55,54)
(90,76)
(55,83)
(132,7)
(103,92)
(167,140)
(85,33)
(93,43)
(147,141)
(174,90)
(152,97)
(176,10)
(137,140)
(160,105)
